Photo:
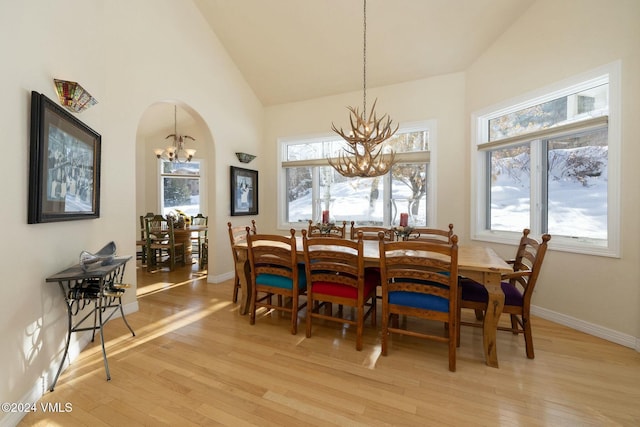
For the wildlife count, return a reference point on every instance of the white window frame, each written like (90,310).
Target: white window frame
(414,157)
(202,183)
(479,134)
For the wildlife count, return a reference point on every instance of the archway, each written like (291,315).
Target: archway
(156,123)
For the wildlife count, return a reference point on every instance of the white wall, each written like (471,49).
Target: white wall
(129,55)
(551,42)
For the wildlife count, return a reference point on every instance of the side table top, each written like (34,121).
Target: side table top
(95,270)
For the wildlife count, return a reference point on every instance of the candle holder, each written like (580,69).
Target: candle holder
(325,227)
(402,232)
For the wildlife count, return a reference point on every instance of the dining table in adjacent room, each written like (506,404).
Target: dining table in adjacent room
(183,235)
(478,263)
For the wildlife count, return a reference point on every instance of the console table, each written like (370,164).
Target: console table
(99,288)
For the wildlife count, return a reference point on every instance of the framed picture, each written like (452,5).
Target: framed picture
(244,191)
(64,165)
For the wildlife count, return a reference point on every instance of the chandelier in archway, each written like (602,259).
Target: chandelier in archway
(176,152)
(363,156)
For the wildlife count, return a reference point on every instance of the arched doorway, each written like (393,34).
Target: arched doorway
(161,185)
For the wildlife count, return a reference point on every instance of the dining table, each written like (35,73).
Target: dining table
(183,235)
(479,263)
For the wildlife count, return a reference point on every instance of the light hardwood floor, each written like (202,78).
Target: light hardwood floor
(196,361)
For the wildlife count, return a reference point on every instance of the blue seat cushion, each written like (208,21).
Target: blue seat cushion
(473,291)
(418,300)
(281,281)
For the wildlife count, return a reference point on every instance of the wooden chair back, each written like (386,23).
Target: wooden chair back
(157,228)
(160,237)
(327,230)
(420,279)
(527,263)
(238,234)
(199,239)
(370,232)
(335,275)
(433,235)
(200,219)
(142,241)
(273,261)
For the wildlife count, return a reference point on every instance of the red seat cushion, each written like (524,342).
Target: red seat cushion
(340,290)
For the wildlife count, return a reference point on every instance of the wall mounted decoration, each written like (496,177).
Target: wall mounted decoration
(72,96)
(64,165)
(245,158)
(244,191)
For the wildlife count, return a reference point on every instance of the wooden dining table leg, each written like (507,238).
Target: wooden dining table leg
(244,277)
(494,310)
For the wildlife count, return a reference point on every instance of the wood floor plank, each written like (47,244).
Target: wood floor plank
(196,361)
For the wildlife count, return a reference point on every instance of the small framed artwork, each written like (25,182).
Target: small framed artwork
(64,165)
(244,191)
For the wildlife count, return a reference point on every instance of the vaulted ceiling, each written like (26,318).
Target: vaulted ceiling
(293,50)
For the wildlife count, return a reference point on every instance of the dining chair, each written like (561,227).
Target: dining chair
(275,271)
(327,230)
(142,242)
(517,287)
(238,234)
(371,232)
(336,275)
(198,238)
(433,235)
(160,238)
(420,280)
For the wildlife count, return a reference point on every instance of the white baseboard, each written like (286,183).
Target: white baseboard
(79,341)
(588,328)
(220,277)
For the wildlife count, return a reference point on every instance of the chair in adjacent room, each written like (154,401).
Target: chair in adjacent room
(238,234)
(423,285)
(336,275)
(275,271)
(198,238)
(142,242)
(371,232)
(433,235)
(327,230)
(161,240)
(517,287)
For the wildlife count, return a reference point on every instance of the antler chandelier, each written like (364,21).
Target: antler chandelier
(363,155)
(177,151)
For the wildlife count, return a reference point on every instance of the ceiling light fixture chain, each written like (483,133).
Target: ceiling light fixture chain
(364,60)
(363,155)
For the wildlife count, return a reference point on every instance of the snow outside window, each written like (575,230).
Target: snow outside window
(308,185)
(180,187)
(551,164)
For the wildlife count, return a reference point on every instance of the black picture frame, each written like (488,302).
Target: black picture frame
(64,165)
(244,191)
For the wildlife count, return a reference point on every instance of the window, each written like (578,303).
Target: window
(180,187)
(551,163)
(309,185)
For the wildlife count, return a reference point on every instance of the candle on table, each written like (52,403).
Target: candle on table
(404,219)
(325,217)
